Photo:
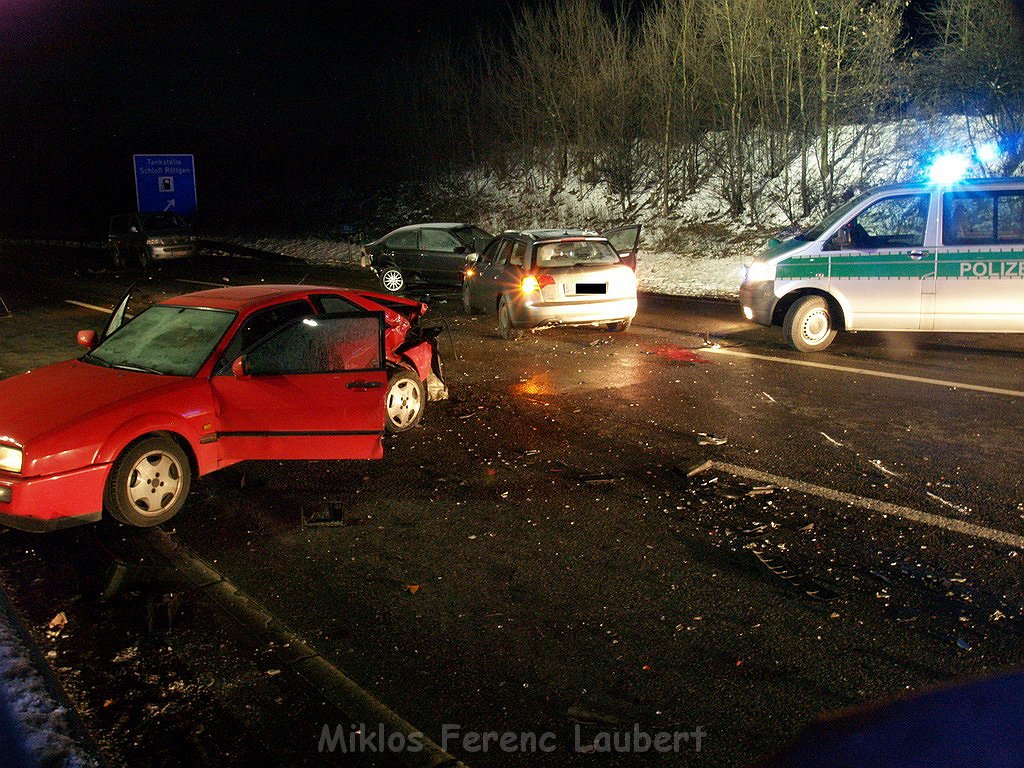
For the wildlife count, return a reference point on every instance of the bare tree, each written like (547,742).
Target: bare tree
(976,69)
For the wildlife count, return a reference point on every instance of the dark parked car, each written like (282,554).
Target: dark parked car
(147,237)
(540,278)
(435,253)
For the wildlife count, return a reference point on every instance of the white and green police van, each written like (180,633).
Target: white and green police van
(908,257)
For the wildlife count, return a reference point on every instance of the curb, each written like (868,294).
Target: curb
(295,654)
(23,744)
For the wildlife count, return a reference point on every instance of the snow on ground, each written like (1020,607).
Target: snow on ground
(682,275)
(31,721)
(314,250)
(711,274)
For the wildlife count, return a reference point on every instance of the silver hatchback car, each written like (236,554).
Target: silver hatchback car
(541,278)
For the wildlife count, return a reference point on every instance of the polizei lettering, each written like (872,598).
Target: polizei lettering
(991,269)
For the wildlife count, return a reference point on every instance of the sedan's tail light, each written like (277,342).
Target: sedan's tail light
(533,283)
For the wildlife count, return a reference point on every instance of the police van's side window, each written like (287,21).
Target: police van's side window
(983,218)
(892,222)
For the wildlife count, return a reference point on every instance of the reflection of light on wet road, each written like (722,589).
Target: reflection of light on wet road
(624,369)
(536,385)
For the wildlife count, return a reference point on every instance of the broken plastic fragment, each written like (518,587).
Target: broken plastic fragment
(703,438)
(696,467)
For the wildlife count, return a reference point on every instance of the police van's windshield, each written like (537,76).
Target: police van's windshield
(809,235)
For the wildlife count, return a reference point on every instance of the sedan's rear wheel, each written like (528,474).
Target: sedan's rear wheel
(403,406)
(506,330)
(392,279)
(467,302)
(148,483)
(808,326)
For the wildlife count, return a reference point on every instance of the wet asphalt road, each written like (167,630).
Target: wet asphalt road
(533,557)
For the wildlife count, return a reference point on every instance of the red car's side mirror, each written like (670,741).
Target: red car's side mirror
(238,368)
(86,339)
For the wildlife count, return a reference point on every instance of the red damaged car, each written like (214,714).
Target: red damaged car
(202,381)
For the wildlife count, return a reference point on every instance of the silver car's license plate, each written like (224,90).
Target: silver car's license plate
(591,288)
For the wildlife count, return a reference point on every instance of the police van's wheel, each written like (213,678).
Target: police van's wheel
(392,279)
(808,325)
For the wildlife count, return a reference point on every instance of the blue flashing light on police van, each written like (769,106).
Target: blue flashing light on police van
(987,152)
(948,168)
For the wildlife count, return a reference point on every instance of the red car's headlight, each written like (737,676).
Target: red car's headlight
(10,459)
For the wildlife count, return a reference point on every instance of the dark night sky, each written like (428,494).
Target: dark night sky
(265,95)
(269,97)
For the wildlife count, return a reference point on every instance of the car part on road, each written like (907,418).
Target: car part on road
(788,574)
(403,406)
(619,327)
(808,325)
(149,482)
(392,279)
(505,328)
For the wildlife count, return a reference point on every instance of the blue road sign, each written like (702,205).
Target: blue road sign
(166,183)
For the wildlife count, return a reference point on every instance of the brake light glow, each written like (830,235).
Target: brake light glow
(533,283)
(470,271)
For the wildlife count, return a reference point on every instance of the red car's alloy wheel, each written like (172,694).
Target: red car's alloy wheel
(403,407)
(149,482)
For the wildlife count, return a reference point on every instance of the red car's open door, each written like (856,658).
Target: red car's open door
(313,390)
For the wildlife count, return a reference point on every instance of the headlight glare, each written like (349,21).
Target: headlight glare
(10,458)
(760,271)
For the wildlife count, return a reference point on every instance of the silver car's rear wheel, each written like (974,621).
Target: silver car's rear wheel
(403,406)
(148,483)
(392,279)
(506,330)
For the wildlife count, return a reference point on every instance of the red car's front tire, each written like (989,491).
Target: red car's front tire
(148,483)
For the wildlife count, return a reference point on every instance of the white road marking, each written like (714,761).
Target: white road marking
(104,310)
(867,372)
(882,468)
(832,440)
(200,282)
(875,505)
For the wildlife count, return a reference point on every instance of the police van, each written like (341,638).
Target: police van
(907,257)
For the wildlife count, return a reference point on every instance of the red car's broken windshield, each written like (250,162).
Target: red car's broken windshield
(173,341)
